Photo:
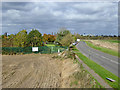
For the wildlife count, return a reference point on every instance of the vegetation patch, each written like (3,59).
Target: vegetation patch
(80,78)
(84,79)
(50,45)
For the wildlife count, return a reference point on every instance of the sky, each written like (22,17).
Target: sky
(97,18)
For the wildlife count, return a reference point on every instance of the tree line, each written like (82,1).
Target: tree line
(97,37)
(22,39)
(34,38)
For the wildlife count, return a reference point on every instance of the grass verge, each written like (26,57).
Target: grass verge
(99,69)
(105,50)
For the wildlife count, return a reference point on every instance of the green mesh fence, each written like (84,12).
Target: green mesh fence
(28,50)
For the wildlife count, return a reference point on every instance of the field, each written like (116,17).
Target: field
(106,44)
(106,47)
(112,41)
(44,71)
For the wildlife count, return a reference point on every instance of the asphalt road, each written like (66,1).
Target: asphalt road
(109,62)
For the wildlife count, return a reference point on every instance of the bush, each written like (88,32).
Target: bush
(67,40)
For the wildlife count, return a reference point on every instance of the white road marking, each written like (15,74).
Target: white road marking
(106,58)
(110,60)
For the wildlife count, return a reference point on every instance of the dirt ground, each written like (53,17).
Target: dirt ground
(109,45)
(40,71)
(30,71)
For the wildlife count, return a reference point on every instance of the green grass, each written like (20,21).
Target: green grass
(98,85)
(112,41)
(105,50)
(49,45)
(75,82)
(99,70)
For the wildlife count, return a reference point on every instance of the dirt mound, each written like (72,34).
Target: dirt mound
(68,69)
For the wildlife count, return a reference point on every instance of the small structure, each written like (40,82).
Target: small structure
(34,49)
(73,43)
(58,50)
(78,40)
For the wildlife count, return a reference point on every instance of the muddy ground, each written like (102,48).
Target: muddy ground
(43,71)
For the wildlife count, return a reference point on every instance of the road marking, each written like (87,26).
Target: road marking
(106,58)
(110,60)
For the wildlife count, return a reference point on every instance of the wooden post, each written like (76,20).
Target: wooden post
(74,56)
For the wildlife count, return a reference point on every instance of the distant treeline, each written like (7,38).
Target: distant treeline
(98,37)
(34,38)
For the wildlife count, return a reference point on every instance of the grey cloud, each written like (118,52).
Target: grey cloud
(15,6)
(92,18)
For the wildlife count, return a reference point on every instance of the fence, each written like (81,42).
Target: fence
(27,50)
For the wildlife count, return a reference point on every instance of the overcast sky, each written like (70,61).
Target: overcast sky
(47,17)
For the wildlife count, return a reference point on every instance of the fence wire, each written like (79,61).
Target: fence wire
(27,50)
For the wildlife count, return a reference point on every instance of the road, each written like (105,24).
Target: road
(109,62)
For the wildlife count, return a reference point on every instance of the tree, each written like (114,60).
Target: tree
(45,38)
(51,38)
(34,38)
(48,38)
(20,38)
(67,40)
(5,42)
(11,39)
(5,34)
(77,36)
(62,33)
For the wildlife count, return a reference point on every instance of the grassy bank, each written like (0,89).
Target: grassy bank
(82,75)
(105,50)
(98,69)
